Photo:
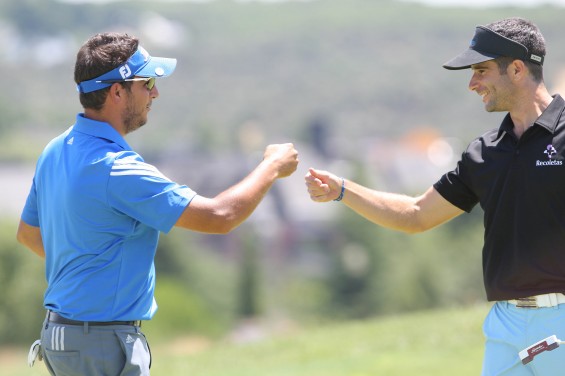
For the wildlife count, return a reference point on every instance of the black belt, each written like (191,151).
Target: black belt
(58,319)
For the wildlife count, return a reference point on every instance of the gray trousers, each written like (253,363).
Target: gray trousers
(83,350)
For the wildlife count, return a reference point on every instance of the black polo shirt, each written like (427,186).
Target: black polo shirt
(520,184)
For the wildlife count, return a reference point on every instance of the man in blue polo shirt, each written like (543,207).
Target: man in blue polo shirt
(516,173)
(95,210)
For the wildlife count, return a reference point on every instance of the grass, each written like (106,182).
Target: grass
(440,342)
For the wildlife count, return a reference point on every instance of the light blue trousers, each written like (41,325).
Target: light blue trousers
(509,329)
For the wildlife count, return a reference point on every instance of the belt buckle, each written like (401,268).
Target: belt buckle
(529,302)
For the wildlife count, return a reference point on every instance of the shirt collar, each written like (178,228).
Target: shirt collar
(99,129)
(549,119)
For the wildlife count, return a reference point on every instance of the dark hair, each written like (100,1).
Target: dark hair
(98,55)
(525,33)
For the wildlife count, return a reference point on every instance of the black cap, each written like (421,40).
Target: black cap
(487,45)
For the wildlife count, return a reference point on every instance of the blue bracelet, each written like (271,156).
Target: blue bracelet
(342,190)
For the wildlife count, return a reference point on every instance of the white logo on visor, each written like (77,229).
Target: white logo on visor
(125,71)
(536,58)
(143,52)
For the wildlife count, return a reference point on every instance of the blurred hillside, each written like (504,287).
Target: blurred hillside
(364,68)
(357,85)
(357,81)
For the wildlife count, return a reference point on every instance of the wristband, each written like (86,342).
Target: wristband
(342,190)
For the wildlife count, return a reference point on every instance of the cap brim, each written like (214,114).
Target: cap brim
(467,58)
(158,67)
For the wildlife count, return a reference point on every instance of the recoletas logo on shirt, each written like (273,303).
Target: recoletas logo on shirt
(551,153)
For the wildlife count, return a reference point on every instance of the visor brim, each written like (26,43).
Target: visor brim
(158,67)
(467,58)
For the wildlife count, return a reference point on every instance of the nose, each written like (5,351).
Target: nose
(154,92)
(473,83)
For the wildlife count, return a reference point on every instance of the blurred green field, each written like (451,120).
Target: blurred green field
(439,342)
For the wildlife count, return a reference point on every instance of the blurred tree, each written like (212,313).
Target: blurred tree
(44,18)
(36,17)
(23,284)
(355,253)
(374,270)
(192,275)
(248,287)
(8,115)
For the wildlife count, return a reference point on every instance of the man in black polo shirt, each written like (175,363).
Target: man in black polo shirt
(517,175)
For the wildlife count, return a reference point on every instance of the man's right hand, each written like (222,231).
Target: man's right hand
(226,211)
(284,157)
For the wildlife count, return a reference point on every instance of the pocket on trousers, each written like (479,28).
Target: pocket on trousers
(136,351)
(63,363)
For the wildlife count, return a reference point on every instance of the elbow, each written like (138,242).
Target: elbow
(413,230)
(414,225)
(20,238)
(224,228)
(27,241)
(227,224)
(417,227)
(224,222)
(228,217)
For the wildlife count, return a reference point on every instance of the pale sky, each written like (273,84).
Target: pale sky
(489,3)
(466,3)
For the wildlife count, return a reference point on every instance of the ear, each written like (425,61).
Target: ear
(116,93)
(517,70)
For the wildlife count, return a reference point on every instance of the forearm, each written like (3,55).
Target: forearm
(239,201)
(390,210)
(30,236)
(226,211)
(230,208)
(394,211)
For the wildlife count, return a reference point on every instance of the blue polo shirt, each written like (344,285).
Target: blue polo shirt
(100,209)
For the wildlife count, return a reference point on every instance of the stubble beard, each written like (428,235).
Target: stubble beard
(132,120)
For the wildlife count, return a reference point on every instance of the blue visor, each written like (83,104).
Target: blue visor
(140,64)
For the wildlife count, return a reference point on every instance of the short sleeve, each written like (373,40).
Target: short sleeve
(142,192)
(30,214)
(455,187)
